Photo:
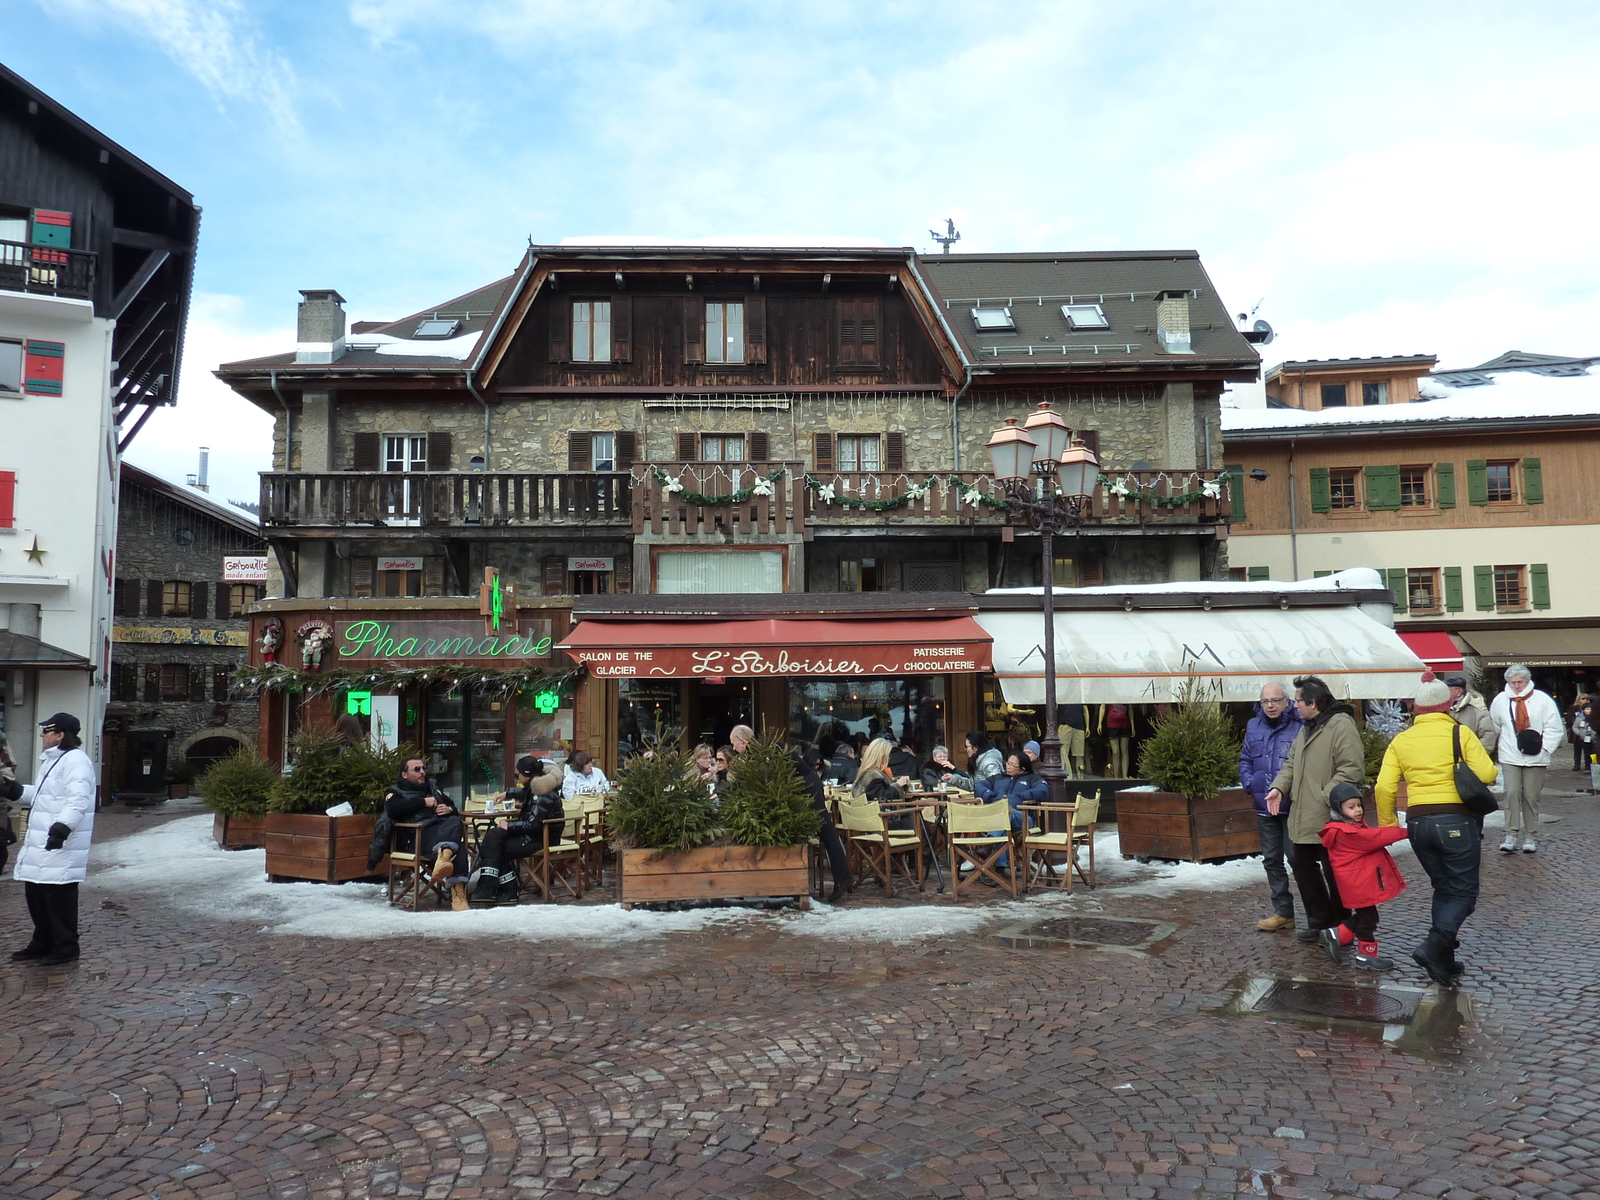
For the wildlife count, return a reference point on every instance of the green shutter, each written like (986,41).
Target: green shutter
(1320,574)
(1383,488)
(1477,481)
(1532,481)
(1452,589)
(1397,585)
(1539,584)
(1236,490)
(1255,573)
(1483,588)
(1444,482)
(1320,501)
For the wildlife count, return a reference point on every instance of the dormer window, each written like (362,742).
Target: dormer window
(437,328)
(993,320)
(1085,316)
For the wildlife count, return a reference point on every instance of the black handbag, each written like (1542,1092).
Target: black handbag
(1474,792)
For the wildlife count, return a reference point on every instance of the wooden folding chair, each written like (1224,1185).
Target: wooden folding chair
(556,863)
(970,830)
(594,809)
(1083,822)
(879,847)
(407,874)
(1039,841)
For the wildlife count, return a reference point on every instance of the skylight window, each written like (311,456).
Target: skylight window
(437,329)
(993,320)
(1085,316)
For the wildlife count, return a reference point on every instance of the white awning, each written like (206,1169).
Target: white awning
(1144,657)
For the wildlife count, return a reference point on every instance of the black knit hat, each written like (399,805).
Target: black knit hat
(1337,795)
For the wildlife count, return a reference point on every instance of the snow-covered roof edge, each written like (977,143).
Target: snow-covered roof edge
(1353,580)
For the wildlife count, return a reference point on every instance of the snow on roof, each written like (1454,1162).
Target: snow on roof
(792,242)
(1511,395)
(455,348)
(1356,578)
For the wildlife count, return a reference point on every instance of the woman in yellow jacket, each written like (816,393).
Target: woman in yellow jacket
(1446,836)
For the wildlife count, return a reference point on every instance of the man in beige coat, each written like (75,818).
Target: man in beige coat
(1327,751)
(1468,707)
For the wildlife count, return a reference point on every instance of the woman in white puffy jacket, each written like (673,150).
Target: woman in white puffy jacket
(55,855)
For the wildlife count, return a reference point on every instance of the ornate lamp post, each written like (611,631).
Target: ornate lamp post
(1048,477)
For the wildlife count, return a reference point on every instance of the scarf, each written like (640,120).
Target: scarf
(1519,712)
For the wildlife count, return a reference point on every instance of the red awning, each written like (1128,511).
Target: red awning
(776,646)
(1435,649)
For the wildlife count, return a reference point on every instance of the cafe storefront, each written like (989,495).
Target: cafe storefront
(427,673)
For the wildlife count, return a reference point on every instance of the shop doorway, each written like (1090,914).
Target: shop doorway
(718,708)
(464,740)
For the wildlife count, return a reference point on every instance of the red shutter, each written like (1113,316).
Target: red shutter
(686,447)
(622,329)
(8,499)
(760,447)
(367,456)
(627,446)
(694,331)
(894,451)
(622,574)
(560,329)
(755,329)
(1090,439)
(42,368)
(822,451)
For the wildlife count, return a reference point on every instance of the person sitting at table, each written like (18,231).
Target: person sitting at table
(723,762)
(1018,786)
(415,798)
(583,778)
(941,770)
(537,798)
(841,766)
(903,759)
(704,768)
(874,781)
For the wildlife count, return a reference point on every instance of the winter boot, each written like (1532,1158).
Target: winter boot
(1274,923)
(1366,956)
(1451,964)
(486,889)
(1433,956)
(1330,942)
(444,865)
(458,898)
(1308,937)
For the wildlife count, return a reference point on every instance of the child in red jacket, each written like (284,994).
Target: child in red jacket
(1365,872)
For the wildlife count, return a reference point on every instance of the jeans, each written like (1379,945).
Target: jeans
(1448,847)
(1274,849)
(1313,875)
(1523,787)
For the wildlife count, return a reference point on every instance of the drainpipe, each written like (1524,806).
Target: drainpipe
(955,424)
(1294,536)
(478,396)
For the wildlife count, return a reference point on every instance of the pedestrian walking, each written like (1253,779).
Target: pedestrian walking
(1470,709)
(1366,873)
(1267,740)
(1326,751)
(55,854)
(1580,734)
(1530,728)
(1445,833)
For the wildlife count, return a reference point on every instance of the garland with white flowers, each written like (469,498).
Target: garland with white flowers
(1209,489)
(674,488)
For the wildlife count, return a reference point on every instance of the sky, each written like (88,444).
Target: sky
(1372,179)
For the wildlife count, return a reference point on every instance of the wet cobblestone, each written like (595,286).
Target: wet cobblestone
(182,1059)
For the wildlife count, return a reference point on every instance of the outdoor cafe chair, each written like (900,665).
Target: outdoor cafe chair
(1040,841)
(879,847)
(557,863)
(1083,824)
(407,875)
(971,830)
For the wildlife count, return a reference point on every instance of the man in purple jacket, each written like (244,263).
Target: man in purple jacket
(1266,747)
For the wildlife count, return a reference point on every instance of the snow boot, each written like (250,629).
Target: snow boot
(1366,956)
(1330,942)
(1433,956)
(1451,964)
(444,865)
(458,898)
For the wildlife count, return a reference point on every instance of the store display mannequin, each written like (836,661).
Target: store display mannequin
(1073,729)
(1114,722)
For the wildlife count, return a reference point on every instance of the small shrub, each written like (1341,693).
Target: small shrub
(1373,745)
(658,802)
(1194,749)
(766,804)
(238,785)
(327,772)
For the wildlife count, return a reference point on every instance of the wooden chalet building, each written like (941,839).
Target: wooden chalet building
(763,428)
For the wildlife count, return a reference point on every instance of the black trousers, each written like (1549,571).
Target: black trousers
(54,909)
(1313,876)
(496,850)
(838,860)
(1363,923)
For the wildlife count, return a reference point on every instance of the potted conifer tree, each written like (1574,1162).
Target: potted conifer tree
(236,788)
(302,841)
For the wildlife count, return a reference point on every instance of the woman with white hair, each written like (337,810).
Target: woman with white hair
(1531,729)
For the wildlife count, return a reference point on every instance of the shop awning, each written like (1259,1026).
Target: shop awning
(19,651)
(1535,647)
(777,646)
(1435,649)
(1145,657)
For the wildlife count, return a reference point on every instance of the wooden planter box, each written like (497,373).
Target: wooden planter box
(717,873)
(1171,825)
(239,833)
(319,848)
(177,791)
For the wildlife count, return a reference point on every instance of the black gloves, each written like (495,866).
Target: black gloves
(57,836)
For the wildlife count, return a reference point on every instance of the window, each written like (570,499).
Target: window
(1374,393)
(175,598)
(858,452)
(1413,487)
(221,684)
(1085,316)
(680,572)
(174,681)
(400,584)
(722,447)
(603,451)
(1497,477)
(993,320)
(724,331)
(241,596)
(437,328)
(861,574)
(11,367)
(1333,395)
(1422,589)
(1238,574)
(591,330)
(1343,490)
(405,452)
(1509,592)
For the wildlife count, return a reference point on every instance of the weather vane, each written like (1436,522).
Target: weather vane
(949,237)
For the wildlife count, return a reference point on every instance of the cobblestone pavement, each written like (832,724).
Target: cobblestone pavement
(183,1058)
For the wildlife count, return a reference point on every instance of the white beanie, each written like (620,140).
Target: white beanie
(1433,694)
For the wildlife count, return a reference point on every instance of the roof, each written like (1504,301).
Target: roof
(1555,365)
(19,652)
(1358,585)
(1520,401)
(741,605)
(1126,284)
(473,310)
(1312,366)
(238,518)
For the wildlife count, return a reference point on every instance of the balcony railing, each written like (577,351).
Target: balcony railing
(25,268)
(447,498)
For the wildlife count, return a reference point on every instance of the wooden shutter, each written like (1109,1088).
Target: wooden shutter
(760,447)
(622,329)
(1090,439)
(363,576)
(627,448)
(433,575)
(368,452)
(197,684)
(42,367)
(52,228)
(686,448)
(1477,481)
(119,599)
(1483,588)
(1452,589)
(622,574)
(580,452)
(1397,585)
(1532,483)
(1091,571)
(858,330)
(1236,491)
(845,311)
(439,452)
(153,606)
(1444,486)
(152,685)
(197,600)
(1383,488)
(222,608)
(1257,573)
(755,329)
(822,451)
(894,451)
(130,597)
(694,331)
(867,314)
(1539,584)
(8,499)
(555,576)
(560,330)
(1321,501)
(1320,574)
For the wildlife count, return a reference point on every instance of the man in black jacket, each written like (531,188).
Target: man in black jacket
(414,798)
(806,762)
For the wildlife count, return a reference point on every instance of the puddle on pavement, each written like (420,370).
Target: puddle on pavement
(1430,1022)
(1104,933)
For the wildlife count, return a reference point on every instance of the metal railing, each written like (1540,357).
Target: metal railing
(46,269)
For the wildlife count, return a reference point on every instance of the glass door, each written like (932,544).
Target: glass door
(404,453)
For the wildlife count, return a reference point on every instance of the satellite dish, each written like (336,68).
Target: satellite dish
(1260,335)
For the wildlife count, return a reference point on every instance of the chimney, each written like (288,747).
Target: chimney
(202,479)
(1172,322)
(321,326)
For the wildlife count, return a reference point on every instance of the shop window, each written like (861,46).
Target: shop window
(1422,590)
(1414,487)
(399,584)
(591,331)
(1497,482)
(910,710)
(1374,393)
(1334,395)
(174,681)
(175,598)
(862,574)
(1510,591)
(719,571)
(1344,490)
(646,709)
(724,331)
(859,452)
(588,583)
(241,596)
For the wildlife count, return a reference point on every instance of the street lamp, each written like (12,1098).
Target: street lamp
(1048,477)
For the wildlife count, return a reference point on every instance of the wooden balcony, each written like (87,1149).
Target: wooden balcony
(665,498)
(451,499)
(46,270)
